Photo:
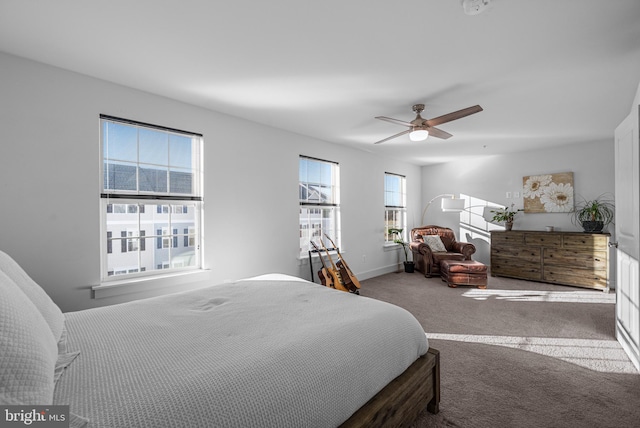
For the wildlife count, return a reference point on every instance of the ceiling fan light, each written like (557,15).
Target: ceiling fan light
(419,134)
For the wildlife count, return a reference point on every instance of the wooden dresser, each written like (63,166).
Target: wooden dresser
(568,258)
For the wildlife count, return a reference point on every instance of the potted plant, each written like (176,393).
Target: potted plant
(505,215)
(408,265)
(593,215)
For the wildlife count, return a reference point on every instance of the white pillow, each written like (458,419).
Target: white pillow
(435,243)
(28,349)
(49,310)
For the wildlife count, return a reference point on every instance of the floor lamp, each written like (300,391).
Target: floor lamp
(449,204)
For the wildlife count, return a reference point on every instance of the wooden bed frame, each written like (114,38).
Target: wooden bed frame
(404,398)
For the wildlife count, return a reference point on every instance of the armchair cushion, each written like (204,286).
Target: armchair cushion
(427,258)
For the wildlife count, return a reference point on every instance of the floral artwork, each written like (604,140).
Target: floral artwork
(549,193)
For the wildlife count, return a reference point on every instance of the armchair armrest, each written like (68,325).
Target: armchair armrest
(464,248)
(422,256)
(419,247)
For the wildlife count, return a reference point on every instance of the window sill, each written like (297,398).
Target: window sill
(304,259)
(391,246)
(134,285)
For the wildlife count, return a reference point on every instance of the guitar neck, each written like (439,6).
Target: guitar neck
(326,250)
(315,247)
(337,251)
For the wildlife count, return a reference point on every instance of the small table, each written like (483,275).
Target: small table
(463,272)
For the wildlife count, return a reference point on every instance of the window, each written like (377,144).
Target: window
(319,190)
(151,199)
(395,205)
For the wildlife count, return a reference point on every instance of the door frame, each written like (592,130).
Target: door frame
(627,233)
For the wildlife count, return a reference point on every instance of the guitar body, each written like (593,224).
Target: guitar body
(323,280)
(346,278)
(325,277)
(352,277)
(337,280)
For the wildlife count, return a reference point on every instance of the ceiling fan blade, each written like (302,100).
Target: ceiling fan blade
(438,133)
(453,116)
(396,121)
(393,136)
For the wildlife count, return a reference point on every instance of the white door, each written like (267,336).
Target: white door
(627,235)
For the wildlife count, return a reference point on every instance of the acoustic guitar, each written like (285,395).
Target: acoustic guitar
(325,277)
(335,272)
(342,265)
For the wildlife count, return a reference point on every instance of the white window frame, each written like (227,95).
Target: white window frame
(323,199)
(395,206)
(151,199)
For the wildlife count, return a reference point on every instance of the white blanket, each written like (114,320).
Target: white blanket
(256,353)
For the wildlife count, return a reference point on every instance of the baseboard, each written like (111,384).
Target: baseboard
(628,345)
(378,271)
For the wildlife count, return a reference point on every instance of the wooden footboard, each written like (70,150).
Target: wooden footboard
(404,398)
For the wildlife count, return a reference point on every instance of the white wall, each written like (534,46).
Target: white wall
(49,185)
(490,178)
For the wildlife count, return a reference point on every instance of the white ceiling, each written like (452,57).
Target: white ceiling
(546,72)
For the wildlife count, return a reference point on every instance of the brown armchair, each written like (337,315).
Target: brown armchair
(427,260)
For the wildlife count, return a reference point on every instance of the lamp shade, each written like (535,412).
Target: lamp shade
(418,134)
(453,205)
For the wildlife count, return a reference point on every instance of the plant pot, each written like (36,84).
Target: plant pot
(409,267)
(508,225)
(592,226)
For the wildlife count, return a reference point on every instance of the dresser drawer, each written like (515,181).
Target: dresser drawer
(596,242)
(515,268)
(580,259)
(529,254)
(578,277)
(507,238)
(543,239)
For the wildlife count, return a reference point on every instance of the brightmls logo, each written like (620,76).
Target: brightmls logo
(34,416)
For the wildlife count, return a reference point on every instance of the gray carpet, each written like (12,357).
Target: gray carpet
(520,354)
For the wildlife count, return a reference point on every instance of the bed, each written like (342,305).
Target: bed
(269,351)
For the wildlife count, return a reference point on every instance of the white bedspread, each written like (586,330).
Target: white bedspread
(256,353)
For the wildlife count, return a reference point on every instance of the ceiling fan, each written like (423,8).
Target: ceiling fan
(420,129)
